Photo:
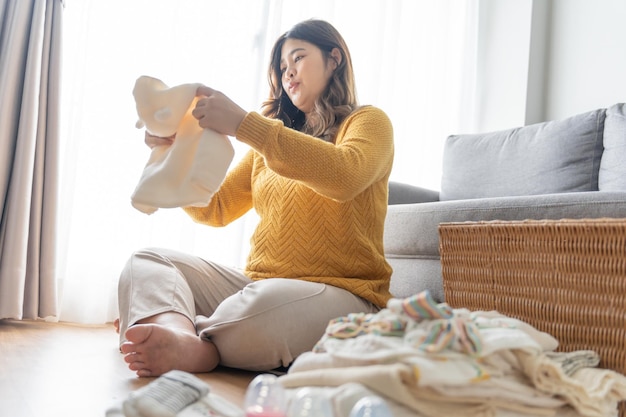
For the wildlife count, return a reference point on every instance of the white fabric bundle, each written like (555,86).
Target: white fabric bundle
(191,170)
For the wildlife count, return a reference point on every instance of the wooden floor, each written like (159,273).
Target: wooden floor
(53,369)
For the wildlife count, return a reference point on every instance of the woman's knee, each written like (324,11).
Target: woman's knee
(146,262)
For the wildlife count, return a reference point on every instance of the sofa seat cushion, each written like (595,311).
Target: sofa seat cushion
(612,175)
(551,157)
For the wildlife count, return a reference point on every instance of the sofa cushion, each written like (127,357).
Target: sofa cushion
(612,175)
(550,157)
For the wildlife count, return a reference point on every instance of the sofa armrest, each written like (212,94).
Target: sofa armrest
(400,193)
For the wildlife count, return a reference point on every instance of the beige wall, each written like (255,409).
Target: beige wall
(586,66)
(548,59)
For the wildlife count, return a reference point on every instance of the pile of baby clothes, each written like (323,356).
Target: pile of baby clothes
(430,360)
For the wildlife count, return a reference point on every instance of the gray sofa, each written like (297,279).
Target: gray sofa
(570,168)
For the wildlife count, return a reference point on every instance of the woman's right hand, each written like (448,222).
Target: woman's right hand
(216,111)
(154,141)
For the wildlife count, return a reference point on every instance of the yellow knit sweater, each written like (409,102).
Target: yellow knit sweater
(321,205)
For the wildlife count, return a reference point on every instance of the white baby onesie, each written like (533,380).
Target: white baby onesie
(189,171)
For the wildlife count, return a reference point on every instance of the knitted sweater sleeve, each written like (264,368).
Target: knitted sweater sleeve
(362,154)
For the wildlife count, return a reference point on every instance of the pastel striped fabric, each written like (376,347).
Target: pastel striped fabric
(423,323)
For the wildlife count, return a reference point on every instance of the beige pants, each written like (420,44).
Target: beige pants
(255,325)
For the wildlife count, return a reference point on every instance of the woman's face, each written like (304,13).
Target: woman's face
(305,72)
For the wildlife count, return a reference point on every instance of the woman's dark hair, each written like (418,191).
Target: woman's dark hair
(338,99)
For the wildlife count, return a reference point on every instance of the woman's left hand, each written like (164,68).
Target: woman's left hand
(217,112)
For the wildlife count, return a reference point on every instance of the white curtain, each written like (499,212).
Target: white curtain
(29,141)
(410,58)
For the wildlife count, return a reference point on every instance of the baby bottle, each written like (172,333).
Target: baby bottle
(265,397)
(310,402)
(371,406)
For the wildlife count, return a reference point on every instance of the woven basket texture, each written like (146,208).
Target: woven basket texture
(565,277)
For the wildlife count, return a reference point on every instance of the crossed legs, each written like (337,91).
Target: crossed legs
(159,293)
(178,311)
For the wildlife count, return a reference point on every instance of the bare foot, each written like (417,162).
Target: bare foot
(152,350)
(116,323)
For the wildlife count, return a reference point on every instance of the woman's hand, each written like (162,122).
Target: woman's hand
(217,112)
(154,141)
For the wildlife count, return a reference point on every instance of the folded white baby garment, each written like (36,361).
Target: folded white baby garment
(189,171)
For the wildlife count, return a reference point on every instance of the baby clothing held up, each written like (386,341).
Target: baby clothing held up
(189,171)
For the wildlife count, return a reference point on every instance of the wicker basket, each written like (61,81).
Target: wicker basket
(565,277)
